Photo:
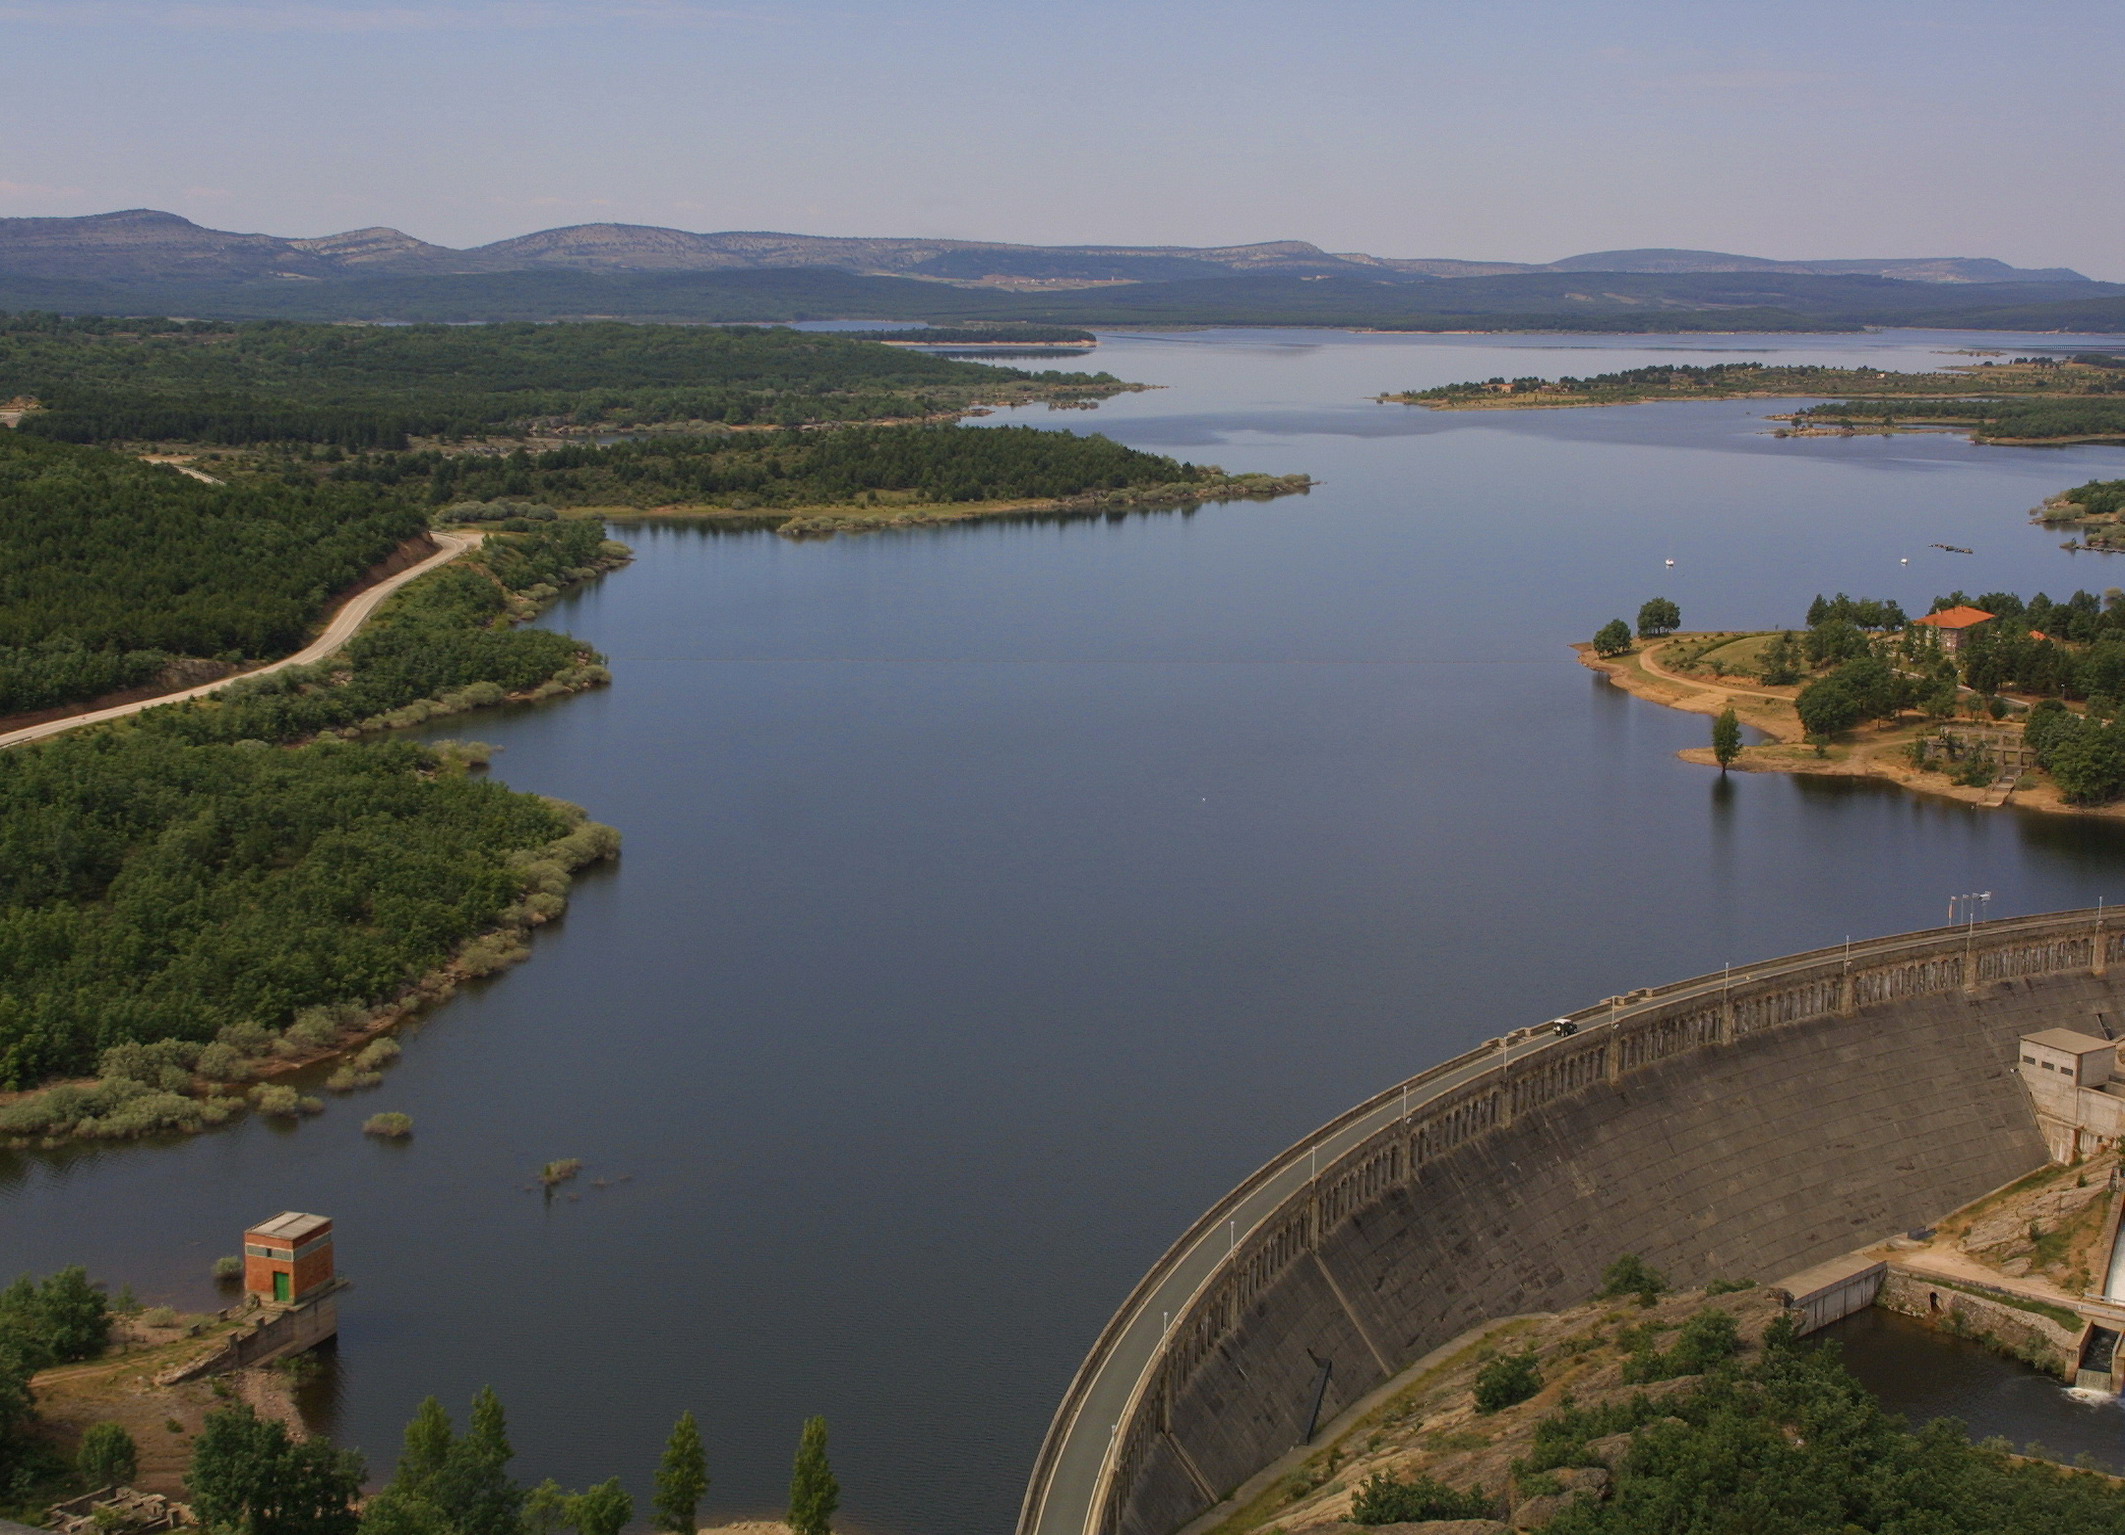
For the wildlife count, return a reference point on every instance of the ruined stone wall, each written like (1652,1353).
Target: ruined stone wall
(1743,1131)
(2029,1336)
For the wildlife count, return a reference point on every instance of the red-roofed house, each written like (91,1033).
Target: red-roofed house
(1951,626)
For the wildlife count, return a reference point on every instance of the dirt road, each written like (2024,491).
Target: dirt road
(340,629)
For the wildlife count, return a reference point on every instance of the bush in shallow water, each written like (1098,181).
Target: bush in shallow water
(316,1027)
(276,1098)
(377,1053)
(496,951)
(392,1126)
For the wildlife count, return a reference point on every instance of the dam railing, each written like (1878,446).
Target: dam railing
(1193,1295)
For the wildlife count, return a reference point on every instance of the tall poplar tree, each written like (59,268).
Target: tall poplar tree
(813,1492)
(682,1478)
(429,1437)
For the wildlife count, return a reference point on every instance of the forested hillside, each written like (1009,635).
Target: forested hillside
(182,877)
(780,469)
(364,387)
(110,568)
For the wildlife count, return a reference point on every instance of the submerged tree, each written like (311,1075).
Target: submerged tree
(1726,738)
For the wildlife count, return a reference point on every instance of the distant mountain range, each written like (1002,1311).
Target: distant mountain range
(142,245)
(144,262)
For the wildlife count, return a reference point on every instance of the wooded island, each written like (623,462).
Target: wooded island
(2025,399)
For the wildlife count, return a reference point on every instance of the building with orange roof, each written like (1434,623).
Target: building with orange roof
(1952,626)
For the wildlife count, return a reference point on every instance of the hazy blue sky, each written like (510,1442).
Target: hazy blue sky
(1514,129)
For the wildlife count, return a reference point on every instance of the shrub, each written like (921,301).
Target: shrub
(1385,1499)
(316,1027)
(108,1457)
(392,1126)
(277,1099)
(1632,1275)
(144,1113)
(158,1316)
(377,1053)
(221,1062)
(152,1064)
(229,1266)
(246,1037)
(1705,1340)
(1507,1379)
(496,951)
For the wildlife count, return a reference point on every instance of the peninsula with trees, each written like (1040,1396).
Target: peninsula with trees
(201,897)
(1981,698)
(358,388)
(2086,374)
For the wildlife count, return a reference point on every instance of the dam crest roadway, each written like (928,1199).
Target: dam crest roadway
(1748,1123)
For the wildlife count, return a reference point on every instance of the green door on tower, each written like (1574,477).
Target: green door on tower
(282,1290)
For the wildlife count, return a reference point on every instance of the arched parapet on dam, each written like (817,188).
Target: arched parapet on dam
(1744,1124)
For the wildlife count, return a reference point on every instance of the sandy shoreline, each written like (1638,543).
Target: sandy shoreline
(1870,751)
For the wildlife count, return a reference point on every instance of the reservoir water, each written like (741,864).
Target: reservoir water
(996,896)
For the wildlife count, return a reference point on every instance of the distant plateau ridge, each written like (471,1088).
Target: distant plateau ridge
(144,261)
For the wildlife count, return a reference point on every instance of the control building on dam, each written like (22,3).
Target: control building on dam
(1750,1124)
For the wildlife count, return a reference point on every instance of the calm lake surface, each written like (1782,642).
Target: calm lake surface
(997,896)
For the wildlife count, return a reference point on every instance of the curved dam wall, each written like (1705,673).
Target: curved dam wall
(1746,1125)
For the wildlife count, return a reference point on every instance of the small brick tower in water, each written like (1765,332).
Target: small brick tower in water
(288,1258)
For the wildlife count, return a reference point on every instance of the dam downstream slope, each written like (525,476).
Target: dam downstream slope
(1742,1125)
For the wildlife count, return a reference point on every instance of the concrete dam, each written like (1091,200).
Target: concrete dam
(1746,1124)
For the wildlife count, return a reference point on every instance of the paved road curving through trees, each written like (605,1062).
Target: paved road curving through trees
(352,614)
